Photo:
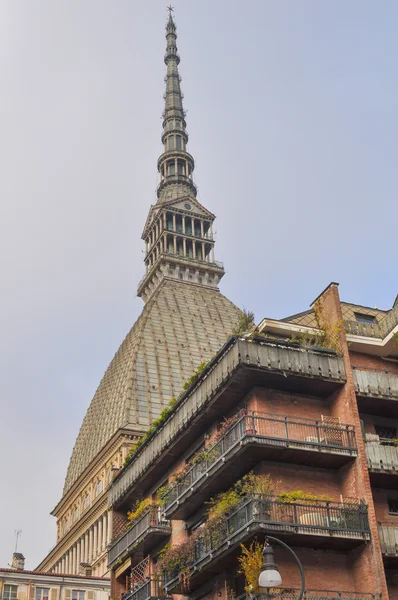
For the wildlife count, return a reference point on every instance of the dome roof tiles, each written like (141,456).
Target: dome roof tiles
(180,326)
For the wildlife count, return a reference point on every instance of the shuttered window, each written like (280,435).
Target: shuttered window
(78,595)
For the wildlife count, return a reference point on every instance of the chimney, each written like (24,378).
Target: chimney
(18,561)
(85,569)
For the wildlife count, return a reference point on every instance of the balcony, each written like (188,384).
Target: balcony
(315,524)
(377,391)
(292,594)
(383,464)
(254,437)
(150,589)
(147,531)
(239,366)
(388,536)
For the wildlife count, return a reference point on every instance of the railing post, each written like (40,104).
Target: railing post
(317,431)
(286,429)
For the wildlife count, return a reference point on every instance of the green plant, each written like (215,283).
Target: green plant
(395,336)
(302,497)
(177,560)
(140,508)
(245,323)
(259,485)
(250,562)
(223,503)
(195,375)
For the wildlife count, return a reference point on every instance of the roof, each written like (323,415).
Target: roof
(49,574)
(349,310)
(179,327)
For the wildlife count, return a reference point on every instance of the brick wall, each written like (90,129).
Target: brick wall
(368,568)
(372,362)
(297,477)
(282,403)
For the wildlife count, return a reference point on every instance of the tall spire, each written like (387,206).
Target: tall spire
(178,233)
(175,165)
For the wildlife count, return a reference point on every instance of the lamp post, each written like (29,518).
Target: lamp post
(270,576)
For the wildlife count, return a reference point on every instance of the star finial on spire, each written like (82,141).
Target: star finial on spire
(170,9)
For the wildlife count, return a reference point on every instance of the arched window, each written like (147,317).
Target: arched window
(98,487)
(86,501)
(75,513)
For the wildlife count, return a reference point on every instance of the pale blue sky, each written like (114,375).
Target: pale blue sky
(292,115)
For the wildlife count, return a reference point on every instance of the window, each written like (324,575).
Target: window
(361,318)
(171,142)
(98,487)
(42,593)
(77,595)
(178,142)
(171,166)
(10,592)
(86,501)
(393,506)
(75,513)
(385,432)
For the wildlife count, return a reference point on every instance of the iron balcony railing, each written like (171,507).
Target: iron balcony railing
(382,457)
(151,588)
(292,594)
(272,430)
(150,522)
(375,383)
(320,518)
(376,330)
(388,536)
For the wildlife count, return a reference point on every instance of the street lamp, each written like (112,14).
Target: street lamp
(270,576)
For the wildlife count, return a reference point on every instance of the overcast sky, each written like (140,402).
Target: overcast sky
(292,115)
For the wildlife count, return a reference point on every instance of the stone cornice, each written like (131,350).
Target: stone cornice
(92,468)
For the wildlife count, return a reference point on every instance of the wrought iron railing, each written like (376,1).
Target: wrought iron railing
(151,588)
(139,529)
(382,457)
(375,383)
(388,536)
(347,520)
(292,594)
(272,430)
(377,329)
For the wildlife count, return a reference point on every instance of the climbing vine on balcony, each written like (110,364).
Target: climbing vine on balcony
(250,562)
(179,558)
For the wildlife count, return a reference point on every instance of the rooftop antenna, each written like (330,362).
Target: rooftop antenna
(17,533)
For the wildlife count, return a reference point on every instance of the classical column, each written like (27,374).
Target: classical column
(95,541)
(86,540)
(184,246)
(82,548)
(104,530)
(90,545)
(67,563)
(100,535)
(203,252)
(164,221)
(73,571)
(202,229)
(183,224)
(77,557)
(109,533)
(174,223)
(193,249)
(176,166)
(212,254)
(175,244)
(193,225)
(211,231)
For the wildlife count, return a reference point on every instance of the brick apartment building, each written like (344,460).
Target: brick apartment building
(308,406)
